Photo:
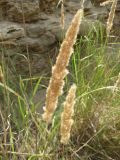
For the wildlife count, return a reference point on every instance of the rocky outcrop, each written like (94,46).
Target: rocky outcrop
(26,11)
(10,31)
(33,26)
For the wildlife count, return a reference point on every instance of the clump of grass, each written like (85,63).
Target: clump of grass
(59,70)
(95,133)
(95,107)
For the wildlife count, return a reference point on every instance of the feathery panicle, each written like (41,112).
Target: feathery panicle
(59,70)
(111,17)
(1,74)
(62,14)
(67,45)
(66,117)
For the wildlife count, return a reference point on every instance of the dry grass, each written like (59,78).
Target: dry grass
(111,17)
(1,74)
(62,15)
(66,117)
(59,70)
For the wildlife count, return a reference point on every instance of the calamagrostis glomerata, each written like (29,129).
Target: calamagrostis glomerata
(66,117)
(62,14)
(111,17)
(59,70)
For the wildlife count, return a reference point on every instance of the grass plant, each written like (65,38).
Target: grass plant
(95,134)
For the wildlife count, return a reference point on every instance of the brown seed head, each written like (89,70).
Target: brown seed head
(66,117)
(59,70)
(111,17)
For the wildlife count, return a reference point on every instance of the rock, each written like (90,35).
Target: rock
(40,65)
(39,100)
(9,31)
(25,11)
(3,2)
(36,30)
(40,45)
(72,6)
(47,5)
(112,54)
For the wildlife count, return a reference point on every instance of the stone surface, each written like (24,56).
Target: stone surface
(26,11)
(33,27)
(9,31)
(47,5)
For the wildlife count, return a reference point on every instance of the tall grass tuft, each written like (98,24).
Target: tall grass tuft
(59,70)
